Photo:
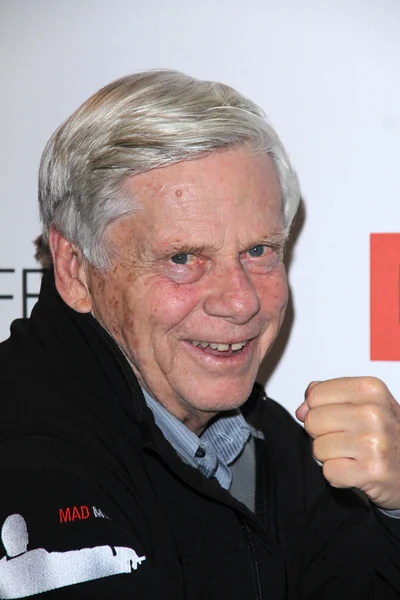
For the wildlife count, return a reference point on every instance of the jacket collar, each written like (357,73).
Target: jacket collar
(79,351)
(84,350)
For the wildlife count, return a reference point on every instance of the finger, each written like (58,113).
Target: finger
(344,473)
(335,445)
(303,409)
(311,385)
(352,390)
(331,418)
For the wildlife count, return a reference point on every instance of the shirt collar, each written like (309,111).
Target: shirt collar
(212,453)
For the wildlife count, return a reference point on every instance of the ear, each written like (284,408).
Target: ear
(69,272)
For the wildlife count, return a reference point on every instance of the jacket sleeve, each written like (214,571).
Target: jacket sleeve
(60,533)
(336,542)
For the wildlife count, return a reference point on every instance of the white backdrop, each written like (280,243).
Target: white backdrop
(327,74)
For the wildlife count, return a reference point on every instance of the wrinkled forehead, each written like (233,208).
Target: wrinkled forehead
(220,180)
(226,200)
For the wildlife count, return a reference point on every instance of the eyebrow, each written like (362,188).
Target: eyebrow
(182,248)
(275,240)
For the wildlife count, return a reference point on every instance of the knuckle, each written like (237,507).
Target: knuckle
(312,422)
(372,387)
(376,451)
(311,393)
(370,443)
(309,397)
(317,448)
(309,422)
(329,473)
(373,415)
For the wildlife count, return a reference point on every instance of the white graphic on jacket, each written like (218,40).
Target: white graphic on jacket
(25,573)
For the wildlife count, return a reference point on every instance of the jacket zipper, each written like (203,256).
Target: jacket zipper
(248,536)
(254,561)
(130,378)
(247,533)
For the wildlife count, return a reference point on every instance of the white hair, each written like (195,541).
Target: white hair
(136,124)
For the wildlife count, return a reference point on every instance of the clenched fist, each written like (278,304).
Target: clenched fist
(355,425)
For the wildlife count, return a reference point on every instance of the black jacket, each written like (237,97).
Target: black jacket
(112,512)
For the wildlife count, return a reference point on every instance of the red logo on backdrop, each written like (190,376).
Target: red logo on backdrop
(385,296)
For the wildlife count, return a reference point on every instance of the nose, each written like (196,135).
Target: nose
(231,295)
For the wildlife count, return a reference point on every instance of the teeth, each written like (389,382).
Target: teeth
(238,346)
(223,347)
(220,347)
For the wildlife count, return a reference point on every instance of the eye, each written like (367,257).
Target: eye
(257,251)
(185,267)
(180,259)
(263,258)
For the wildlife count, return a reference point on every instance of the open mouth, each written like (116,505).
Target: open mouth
(221,349)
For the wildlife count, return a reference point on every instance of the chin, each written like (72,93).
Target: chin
(232,401)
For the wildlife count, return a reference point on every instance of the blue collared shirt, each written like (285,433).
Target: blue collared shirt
(218,446)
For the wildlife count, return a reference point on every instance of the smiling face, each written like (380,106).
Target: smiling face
(197,291)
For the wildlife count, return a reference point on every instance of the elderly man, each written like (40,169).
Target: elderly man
(139,457)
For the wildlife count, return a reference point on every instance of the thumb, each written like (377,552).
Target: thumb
(302,411)
(304,408)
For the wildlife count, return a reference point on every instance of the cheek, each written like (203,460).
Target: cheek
(162,306)
(273,293)
(108,299)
